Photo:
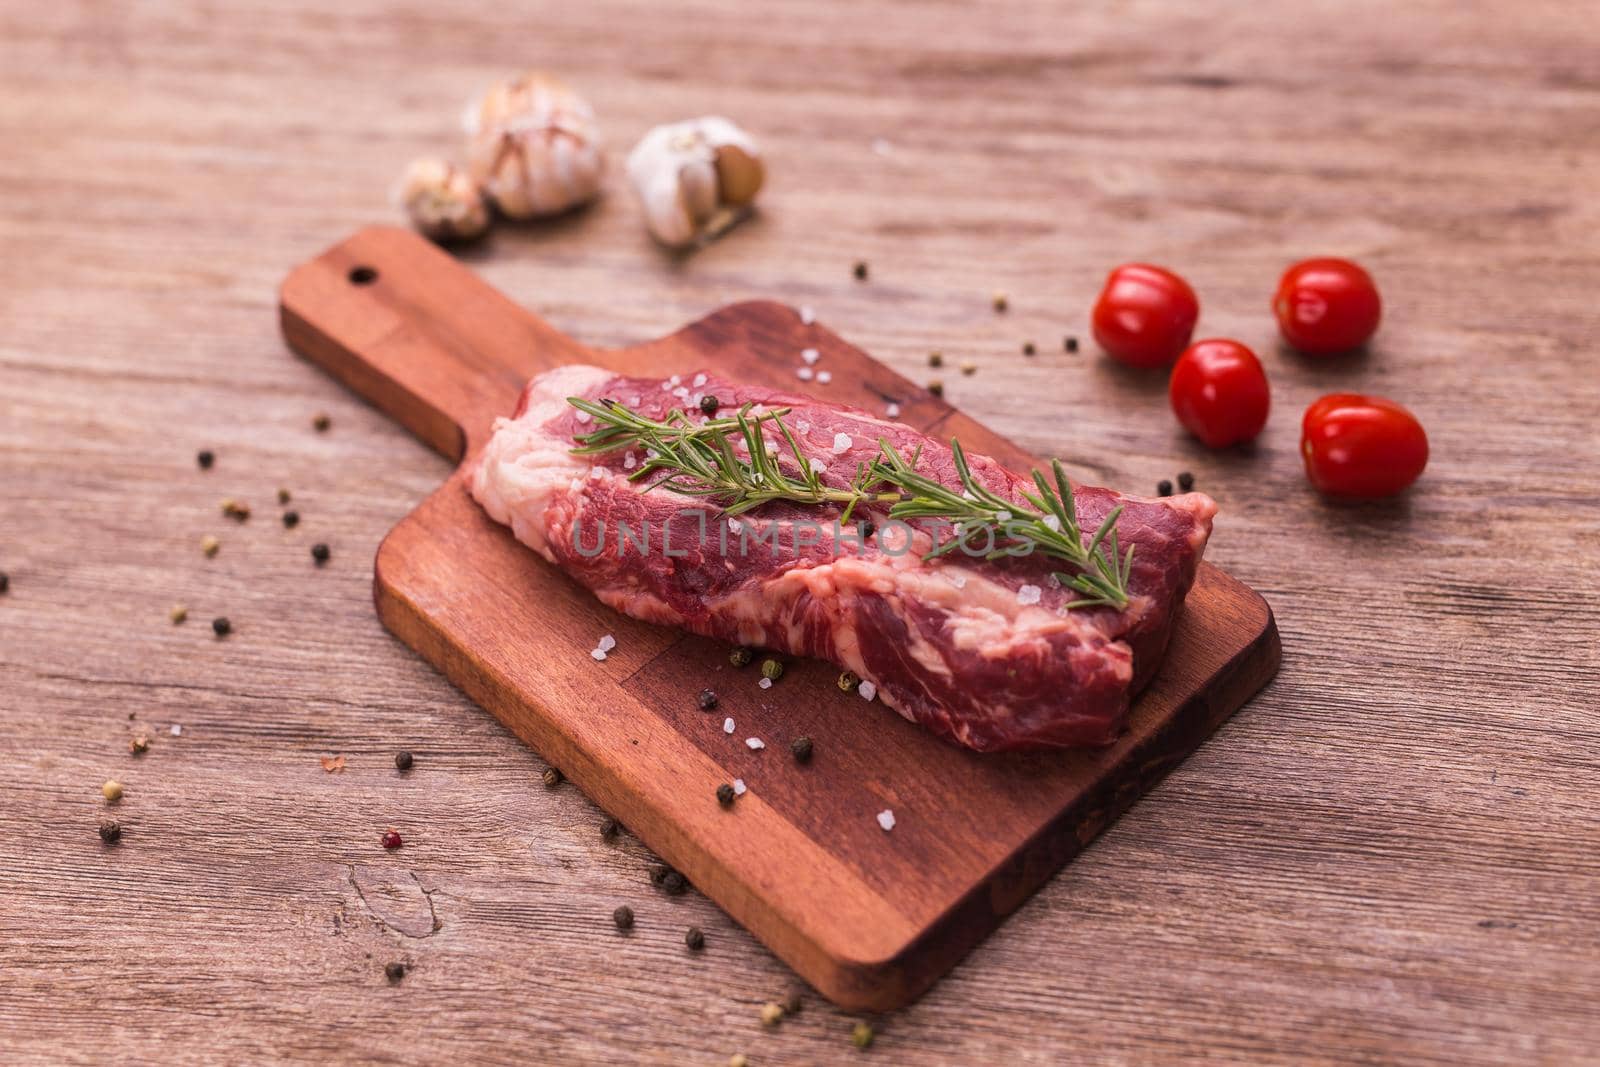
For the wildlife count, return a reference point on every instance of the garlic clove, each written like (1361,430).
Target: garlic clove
(535,148)
(443,202)
(695,179)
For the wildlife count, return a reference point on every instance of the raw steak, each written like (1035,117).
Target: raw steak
(985,653)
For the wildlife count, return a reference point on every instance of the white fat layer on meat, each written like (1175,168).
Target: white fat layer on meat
(523,467)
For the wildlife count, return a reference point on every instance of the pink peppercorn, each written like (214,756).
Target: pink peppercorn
(391,840)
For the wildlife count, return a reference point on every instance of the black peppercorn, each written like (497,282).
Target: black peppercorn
(936,388)
(283,496)
(1027,348)
(610,828)
(793,1000)
(1163,488)
(403,761)
(552,777)
(1070,344)
(205,457)
(291,519)
(861,270)
(5,582)
(708,700)
(221,626)
(709,404)
(321,423)
(1185,481)
(674,884)
(658,874)
(111,832)
(695,938)
(623,917)
(319,552)
(394,971)
(725,795)
(801,747)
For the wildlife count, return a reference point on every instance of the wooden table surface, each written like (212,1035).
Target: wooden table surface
(1392,855)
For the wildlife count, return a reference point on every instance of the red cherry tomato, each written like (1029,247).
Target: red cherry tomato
(1362,446)
(1145,315)
(1326,306)
(1219,391)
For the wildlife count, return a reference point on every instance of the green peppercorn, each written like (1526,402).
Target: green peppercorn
(771,668)
(741,657)
(695,938)
(725,795)
(848,681)
(861,1036)
(801,747)
(623,917)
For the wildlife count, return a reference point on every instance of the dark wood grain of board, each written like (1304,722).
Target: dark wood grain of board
(869,919)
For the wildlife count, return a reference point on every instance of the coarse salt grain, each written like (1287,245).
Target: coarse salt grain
(805,374)
(893,411)
(802,425)
(636,401)
(1053,581)
(1029,594)
(597,472)
(886,820)
(807,316)
(577,484)
(177,731)
(765,683)
(1052,521)
(810,355)
(699,380)
(842,442)
(607,643)
(666,387)
(630,461)
(597,654)
(583,416)
(1002,515)
(727,726)
(958,580)
(867,690)
(738,787)
(675,380)
(824,376)
(681,393)
(817,466)
(755,742)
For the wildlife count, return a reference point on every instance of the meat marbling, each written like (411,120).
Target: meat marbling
(985,653)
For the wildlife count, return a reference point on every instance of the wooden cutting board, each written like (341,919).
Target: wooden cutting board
(870,918)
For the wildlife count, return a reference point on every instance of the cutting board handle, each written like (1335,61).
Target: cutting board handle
(418,335)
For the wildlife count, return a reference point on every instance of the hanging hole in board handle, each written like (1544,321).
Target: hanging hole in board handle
(363,275)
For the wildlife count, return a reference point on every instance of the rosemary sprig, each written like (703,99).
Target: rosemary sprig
(699,459)
(1051,527)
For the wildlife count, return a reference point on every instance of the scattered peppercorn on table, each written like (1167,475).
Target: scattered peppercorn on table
(276,834)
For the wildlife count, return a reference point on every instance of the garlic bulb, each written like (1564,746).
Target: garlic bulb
(535,150)
(695,178)
(443,202)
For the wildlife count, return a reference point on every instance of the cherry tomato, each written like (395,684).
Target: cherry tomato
(1145,315)
(1362,446)
(1326,306)
(1219,391)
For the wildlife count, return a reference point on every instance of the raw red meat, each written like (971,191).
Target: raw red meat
(985,653)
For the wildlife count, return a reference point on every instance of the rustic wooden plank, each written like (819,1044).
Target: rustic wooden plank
(869,920)
(1387,857)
